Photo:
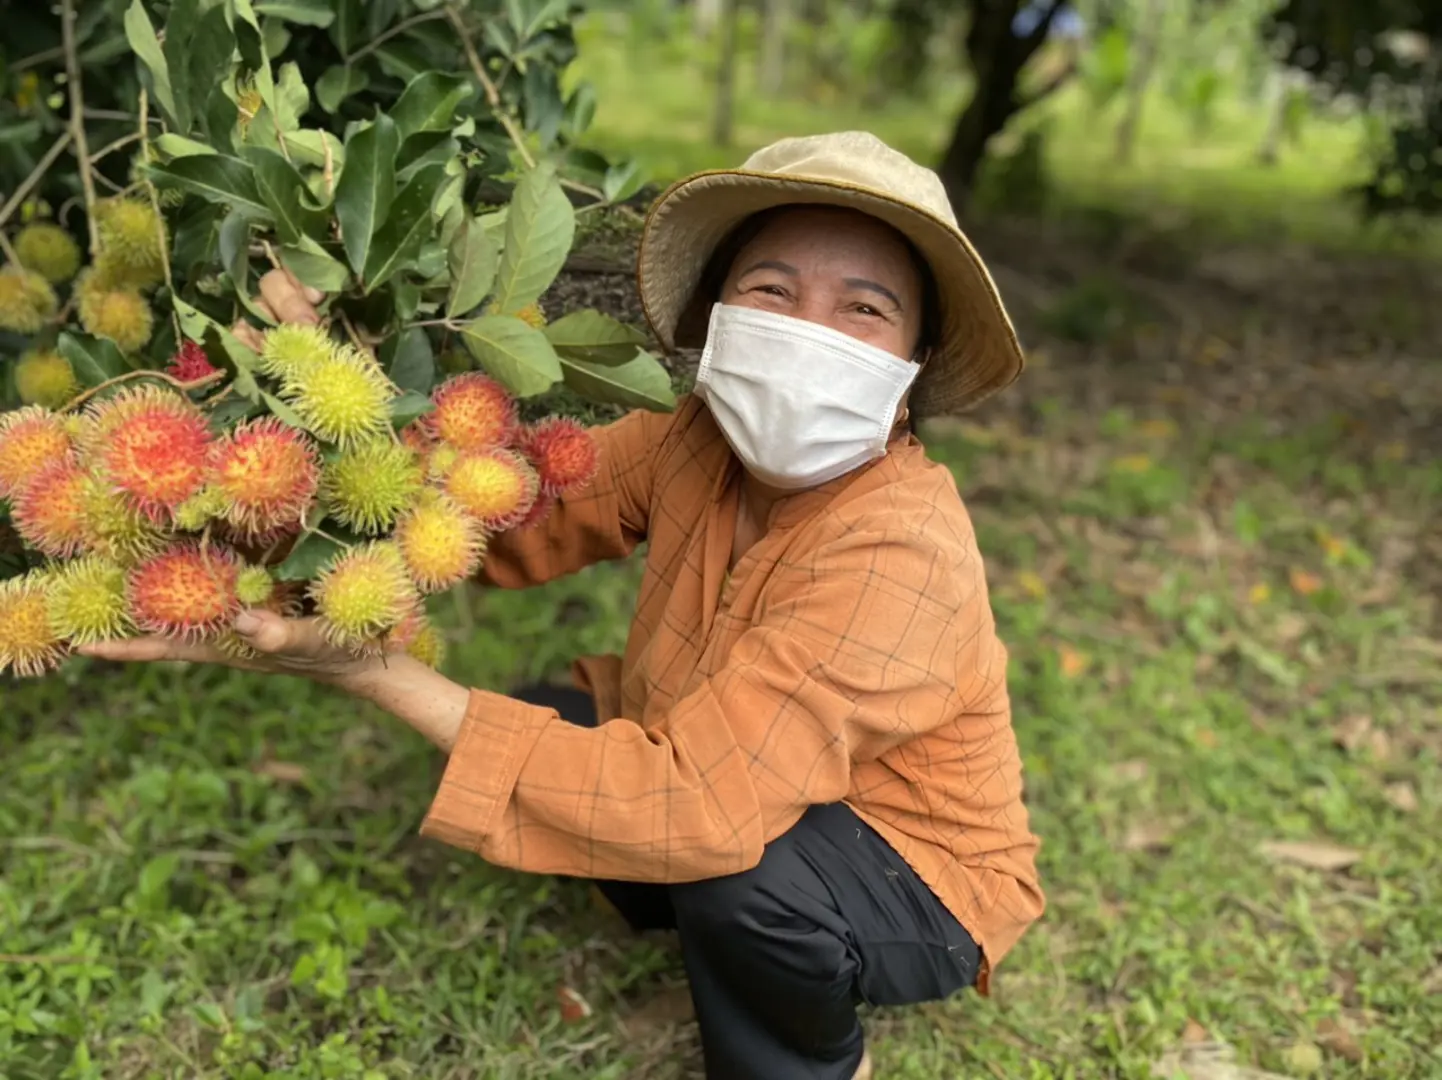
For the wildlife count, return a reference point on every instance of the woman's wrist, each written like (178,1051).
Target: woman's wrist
(414,692)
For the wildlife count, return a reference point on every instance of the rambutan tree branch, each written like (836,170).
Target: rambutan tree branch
(18,195)
(77,119)
(183,387)
(144,136)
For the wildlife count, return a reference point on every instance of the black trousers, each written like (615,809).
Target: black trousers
(780,956)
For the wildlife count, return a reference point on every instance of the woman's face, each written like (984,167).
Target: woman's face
(837,267)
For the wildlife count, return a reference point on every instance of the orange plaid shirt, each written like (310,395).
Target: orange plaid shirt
(851,656)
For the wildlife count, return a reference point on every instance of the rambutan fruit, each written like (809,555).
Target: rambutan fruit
(132,242)
(44,377)
(187,591)
(539,512)
(418,437)
(473,412)
(48,250)
(428,646)
(49,512)
(115,529)
(266,473)
(370,484)
(441,544)
(291,348)
(563,452)
(254,586)
(30,438)
(118,313)
(155,448)
(440,461)
(189,363)
(362,594)
(86,601)
(27,302)
(497,487)
(343,398)
(28,645)
(198,511)
(532,314)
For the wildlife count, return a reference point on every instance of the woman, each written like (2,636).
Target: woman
(805,761)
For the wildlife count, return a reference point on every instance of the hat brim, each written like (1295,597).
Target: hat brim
(978,353)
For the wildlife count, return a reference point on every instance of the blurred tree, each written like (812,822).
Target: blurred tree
(1146,45)
(775,24)
(1386,54)
(722,117)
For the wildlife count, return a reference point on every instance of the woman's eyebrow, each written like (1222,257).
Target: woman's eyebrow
(772,264)
(873,286)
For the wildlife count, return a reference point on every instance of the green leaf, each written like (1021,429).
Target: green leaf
(366,187)
(409,361)
(235,249)
(426,147)
(338,83)
(305,12)
(589,335)
(198,45)
(282,412)
(473,259)
(315,266)
(307,147)
(308,558)
(292,98)
(171,145)
(540,225)
(408,406)
(216,178)
(580,109)
(623,180)
(513,352)
(146,46)
(406,227)
(346,31)
(429,102)
(154,880)
(284,192)
(641,382)
(94,360)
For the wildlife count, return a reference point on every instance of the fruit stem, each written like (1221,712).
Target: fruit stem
(183,387)
(9,251)
(493,96)
(144,136)
(77,119)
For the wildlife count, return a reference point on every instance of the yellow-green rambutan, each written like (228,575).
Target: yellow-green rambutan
(44,377)
(198,511)
(532,314)
(115,529)
(496,487)
(363,594)
(343,398)
(370,484)
(291,348)
(27,302)
(254,586)
(428,646)
(30,439)
(48,250)
(441,544)
(266,474)
(28,645)
(187,591)
(50,509)
(155,448)
(86,601)
(132,242)
(121,314)
(473,412)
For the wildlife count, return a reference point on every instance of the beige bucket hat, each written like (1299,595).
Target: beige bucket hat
(977,353)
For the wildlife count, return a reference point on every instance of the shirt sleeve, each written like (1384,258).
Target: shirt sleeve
(870,641)
(604,521)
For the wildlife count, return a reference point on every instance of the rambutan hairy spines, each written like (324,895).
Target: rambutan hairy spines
(266,475)
(342,399)
(497,487)
(31,438)
(291,348)
(187,591)
(154,448)
(86,601)
(362,594)
(368,486)
(27,302)
(189,363)
(542,509)
(473,412)
(28,644)
(442,544)
(428,646)
(132,241)
(563,452)
(117,530)
(44,377)
(50,509)
(254,586)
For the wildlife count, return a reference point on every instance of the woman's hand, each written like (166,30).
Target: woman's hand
(280,646)
(284,299)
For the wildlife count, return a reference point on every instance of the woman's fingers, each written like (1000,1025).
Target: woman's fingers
(288,298)
(151,649)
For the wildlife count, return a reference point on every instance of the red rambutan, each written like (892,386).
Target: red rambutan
(153,446)
(186,591)
(267,475)
(50,509)
(473,412)
(564,453)
(189,363)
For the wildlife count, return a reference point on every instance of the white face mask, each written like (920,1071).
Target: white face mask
(800,403)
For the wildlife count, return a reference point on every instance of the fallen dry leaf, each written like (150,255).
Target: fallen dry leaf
(667,1007)
(1402,796)
(1304,583)
(1157,429)
(1313,854)
(286,772)
(1304,1059)
(1132,463)
(1148,836)
(1131,772)
(1334,1037)
(574,1007)
(1073,663)
(1206,738)
(1351,734)
(1193,1032)
(1290,627)
(1208,1061)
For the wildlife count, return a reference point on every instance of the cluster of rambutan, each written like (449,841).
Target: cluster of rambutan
(151,521)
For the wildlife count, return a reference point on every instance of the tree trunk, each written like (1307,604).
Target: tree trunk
(1148,43)
(721,119)
(775,20)
(1279,86)
(707,14)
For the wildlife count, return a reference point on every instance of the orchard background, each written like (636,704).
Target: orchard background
(1210,509)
